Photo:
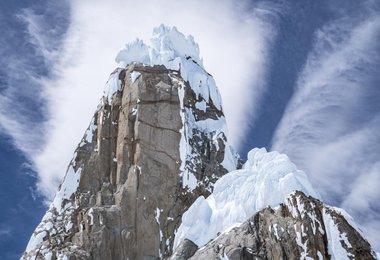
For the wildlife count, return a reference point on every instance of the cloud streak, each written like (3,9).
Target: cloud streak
(23,105)
(330,127)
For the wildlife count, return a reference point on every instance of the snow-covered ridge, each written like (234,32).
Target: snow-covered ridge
(265,180)
(175,51)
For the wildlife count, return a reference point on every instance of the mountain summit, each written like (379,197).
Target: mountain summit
(154,177)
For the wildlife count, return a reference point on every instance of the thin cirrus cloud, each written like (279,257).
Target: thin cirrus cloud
(330,127)
(84,56)
(15,119)
(27,47)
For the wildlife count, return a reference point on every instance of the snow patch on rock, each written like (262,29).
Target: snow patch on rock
(134,76)
(113,85)
(68,187)
(36,241)
(211,127)
(335,239)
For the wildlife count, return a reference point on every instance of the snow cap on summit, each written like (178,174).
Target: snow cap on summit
(166,45)
(175,51)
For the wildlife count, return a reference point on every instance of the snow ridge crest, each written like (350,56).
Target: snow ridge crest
(175,51)
(166,45)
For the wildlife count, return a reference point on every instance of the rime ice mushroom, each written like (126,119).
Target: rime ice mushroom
(265,180)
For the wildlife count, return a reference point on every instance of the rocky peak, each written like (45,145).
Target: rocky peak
(154,173)
(153,146)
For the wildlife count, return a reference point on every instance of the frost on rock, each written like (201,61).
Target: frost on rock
(265,180)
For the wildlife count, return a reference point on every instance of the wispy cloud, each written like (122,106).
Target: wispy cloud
(5,232)
(330,128)
(42,34)
(28,50)
(17,102)
(234,39)
(363,201)
(246,33)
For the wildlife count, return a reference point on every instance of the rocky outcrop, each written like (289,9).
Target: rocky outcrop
(185,250)
(124,193)
(300,228)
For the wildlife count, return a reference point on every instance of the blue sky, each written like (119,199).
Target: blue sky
(22,64)
(300,77)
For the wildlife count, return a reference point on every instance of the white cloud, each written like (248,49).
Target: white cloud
(330,128)
(363,201)
(21,100)
(15,118)
(5,232)
(42,36)
(234,40)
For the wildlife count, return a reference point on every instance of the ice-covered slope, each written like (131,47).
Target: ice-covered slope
(301,227)
(265,180)
(267,210)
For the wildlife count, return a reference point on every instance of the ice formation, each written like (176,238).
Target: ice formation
(175,51)
(266,179)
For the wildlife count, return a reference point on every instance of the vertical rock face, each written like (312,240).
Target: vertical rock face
(124,193)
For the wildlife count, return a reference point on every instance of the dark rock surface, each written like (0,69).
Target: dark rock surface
(185,250)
